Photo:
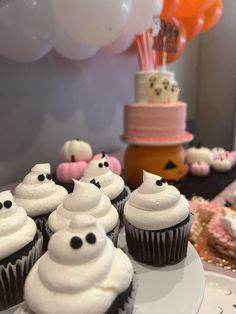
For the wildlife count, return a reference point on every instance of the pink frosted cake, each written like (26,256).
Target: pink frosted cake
(157,115)
(222,233)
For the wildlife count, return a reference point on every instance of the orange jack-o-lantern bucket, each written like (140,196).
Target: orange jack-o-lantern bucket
(167,162)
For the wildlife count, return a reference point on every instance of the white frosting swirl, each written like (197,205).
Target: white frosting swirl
(111,184)
(16,228)
(78,275)
(85,199)
(155,205)
(38,194)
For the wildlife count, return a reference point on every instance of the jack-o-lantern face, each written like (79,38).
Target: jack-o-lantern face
(168,162)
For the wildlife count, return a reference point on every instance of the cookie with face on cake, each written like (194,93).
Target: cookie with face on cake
(111,184)
(39,195)
(86,198)
(157,222)
(82,273)
(20,247)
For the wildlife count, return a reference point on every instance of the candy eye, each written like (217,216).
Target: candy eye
(76,243)
(159,183)
(163,180)
(91,238)
(1,206)
(41,177)
(106,164)
(100,165)
(49,176)
(7,204)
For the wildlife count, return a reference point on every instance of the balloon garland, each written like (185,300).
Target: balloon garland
(77,29)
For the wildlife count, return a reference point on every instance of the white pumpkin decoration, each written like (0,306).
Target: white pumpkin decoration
(216,151)
(222,164)
(76,150)
(199,169)
(202,154)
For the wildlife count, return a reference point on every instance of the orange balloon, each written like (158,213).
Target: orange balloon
(172,39)
(193,7)
(193,25)
(169,8)
(212,15)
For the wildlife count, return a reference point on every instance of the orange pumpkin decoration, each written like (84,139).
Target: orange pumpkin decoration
(167,162)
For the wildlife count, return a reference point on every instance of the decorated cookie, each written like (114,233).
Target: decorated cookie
(81,272)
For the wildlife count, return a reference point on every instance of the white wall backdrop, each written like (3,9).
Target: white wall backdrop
(215,115)
(44,103)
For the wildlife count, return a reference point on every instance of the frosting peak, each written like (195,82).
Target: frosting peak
(81,268)
(110,183)
(85,199)
(38,193)
(16,229)
(155,205)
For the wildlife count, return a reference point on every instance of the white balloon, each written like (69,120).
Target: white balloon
(92,22)
(141,16)
(119,45)
(27,29)
(71,49)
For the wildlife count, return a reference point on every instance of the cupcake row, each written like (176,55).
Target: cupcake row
(79,232)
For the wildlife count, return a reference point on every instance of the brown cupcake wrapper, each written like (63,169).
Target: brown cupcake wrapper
(158,248)
(113,235)
(41,223)
(121,204)
(12,277)
(127,307)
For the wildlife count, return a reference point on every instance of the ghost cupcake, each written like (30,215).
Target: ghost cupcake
(157,222)
(111,184)
(82,273)
(39,195)
(86,198)
(20,247)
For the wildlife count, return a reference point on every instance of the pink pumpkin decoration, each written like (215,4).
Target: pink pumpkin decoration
(114,163)
(67,171)
(199,169)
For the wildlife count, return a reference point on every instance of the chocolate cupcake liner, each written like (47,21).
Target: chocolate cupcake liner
(119,205)
(127,307)
(12,277)
(158,248)
(113,235)
(41,222)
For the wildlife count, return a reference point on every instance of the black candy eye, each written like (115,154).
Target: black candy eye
(91,238)
(1,206)
(100,165)
(159,183)
(7,204)
(76,243)
(49,176)
(41,177)
(163,180)
(106,164)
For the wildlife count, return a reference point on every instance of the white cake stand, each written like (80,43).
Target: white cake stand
(177,289)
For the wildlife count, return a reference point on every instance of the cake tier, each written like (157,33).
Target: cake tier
(155,122)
